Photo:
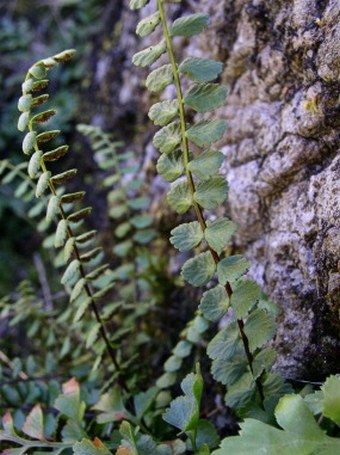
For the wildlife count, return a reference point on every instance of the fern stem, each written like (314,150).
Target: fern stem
(198,209)
(87,288)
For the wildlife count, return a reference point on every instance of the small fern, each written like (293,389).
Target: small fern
(84,262)
(238,360)
(118,418)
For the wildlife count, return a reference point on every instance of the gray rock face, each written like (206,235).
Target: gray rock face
(283,164)
(282,64)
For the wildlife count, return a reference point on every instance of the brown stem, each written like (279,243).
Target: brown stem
(94,308)
(93,305)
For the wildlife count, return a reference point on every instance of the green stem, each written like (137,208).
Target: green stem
(193,437)
(190,180)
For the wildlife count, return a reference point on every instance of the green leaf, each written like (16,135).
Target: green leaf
(228,372)
(92,335)
(34,164)
(144,236)
(315,402)
(99,294)
(264,360)
(42,184)
(241,392)
(34,424)
(258,438)
(160,78)
(22,190)
(54,155)
(112,407)
(87,236)
(148,25)
(244,296)
(25,103)
(186,236)
(118,211)
(170,166)
(211,193)
(82,309)
(218,233)
(52,208)
(69,248)
(38,71)
(182,414)
(27,85)
(42,99)
(71,273)
(87,447)
(192,385)
(47,136)
(183,349)
(79,215)
(293,415)
(197,326)
(199,270)
(60,179)
(144,400)
(89,255)
(173,364)
(97,272)
(61,234)
(166,380)
(77,289)
(204,97)
(232,268)
(64,56)
(184,411)
(162,113)
(200,69)
(179,197)
(205,133)
(139,203)
(68,403)
(43,117)
(168,138)
(214,303)
(141,221)
(37,86)
(122,229)
(137,4)
(269,305)
(122,249)
(260,327)
(29,142)
(206,164)
(224,345)
(206,435)
(23,121)
(331,402)
(149,55)
(190,25)
(274,387)
(72,197)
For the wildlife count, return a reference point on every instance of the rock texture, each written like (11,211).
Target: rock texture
(282,64)
(283,166)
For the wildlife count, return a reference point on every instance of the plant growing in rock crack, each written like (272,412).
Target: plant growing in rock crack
(273,423)
(189,161)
